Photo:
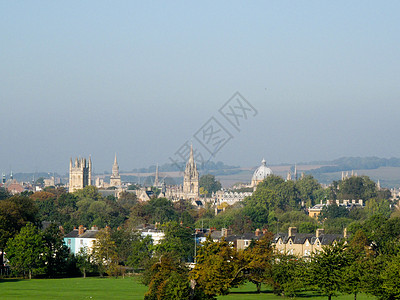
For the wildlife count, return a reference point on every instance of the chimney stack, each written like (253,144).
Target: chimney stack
(292,231)
(257,232)
(319,232)
(81,230)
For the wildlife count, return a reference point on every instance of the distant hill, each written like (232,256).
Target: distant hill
(355,163)
(176,167)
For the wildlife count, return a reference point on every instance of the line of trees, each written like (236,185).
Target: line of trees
(362,264)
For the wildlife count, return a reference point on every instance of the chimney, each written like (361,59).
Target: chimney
(319,232)
(95,227)
(257,232)
(81,230)
(61,229)
(292,231)
(264,231)
(224,232)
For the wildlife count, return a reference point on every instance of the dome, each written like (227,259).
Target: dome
(261,173)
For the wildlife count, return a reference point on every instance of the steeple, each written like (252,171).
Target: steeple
(191,178)
(115,178)
(156,177)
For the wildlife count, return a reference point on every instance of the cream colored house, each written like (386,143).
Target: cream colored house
(304,244)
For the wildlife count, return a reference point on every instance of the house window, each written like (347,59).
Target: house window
(81,242)
(246,243)
(69,242)
(317,243)
(290,242)
(306,252)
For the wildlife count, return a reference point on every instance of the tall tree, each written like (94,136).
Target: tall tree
(209,184)
(168,280)
(215,267)
(105,253)
(255,262)
(25,251)
(178,241)
(56,254)
(327,269)
(15,212)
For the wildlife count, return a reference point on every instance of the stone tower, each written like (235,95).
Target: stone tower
(191,178)
(115,179)
(80,174)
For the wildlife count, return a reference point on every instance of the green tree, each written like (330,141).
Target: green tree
(168,280)
(3,193)
(105,253)
(209,184)
(333,211)
(178,241)
(288,274)
(83,261)
(327,269)
(355,272)
(310,191)
(141,252)
(378,206)
(15,212)
(57,253)
(215,267)
(25,251)
(255,262)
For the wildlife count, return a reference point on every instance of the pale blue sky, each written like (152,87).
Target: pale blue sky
(140,78)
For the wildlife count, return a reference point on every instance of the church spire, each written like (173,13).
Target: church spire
(115,159)
(156,177)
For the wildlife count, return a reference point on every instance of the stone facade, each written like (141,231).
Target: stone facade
(191,178)
(304,244)
(80,174)
(115,179)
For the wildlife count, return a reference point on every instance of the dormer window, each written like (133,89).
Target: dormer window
(290,242)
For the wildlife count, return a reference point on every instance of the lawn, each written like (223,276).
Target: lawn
(115,288)
(247,291)
(72,288)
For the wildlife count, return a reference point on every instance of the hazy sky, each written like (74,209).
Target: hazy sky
(141,78)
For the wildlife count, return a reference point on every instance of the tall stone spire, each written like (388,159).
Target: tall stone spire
(191,178)
(115,178)
(156,177)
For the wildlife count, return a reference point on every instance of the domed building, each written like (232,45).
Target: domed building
(260,174)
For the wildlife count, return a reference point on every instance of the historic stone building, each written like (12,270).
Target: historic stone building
(190,188)
(80,174)
(115,179)
(191,178)
(260,174)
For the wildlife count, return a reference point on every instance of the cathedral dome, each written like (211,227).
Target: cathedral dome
(261,173)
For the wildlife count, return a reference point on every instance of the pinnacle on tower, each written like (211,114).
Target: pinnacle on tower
(156,177)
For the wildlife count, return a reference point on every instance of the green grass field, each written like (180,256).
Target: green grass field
(113,288)
(73,288)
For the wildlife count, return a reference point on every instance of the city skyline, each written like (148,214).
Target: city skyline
(141,79)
